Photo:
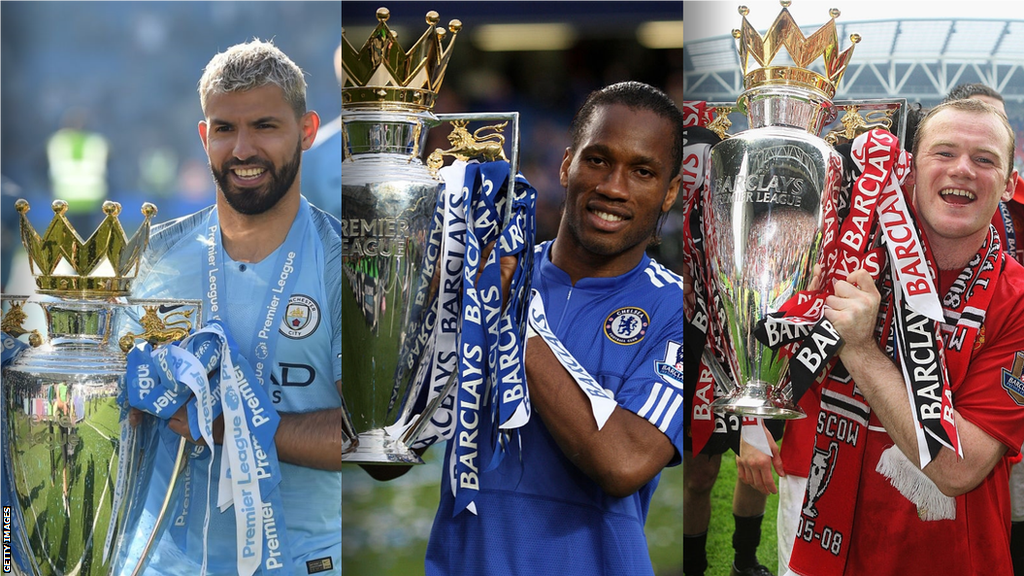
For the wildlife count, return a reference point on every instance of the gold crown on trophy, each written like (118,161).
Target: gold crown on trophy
(804,50)
(102,266)
(382,76)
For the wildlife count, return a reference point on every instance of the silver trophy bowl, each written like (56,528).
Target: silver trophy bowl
(764,217)
(79,471)
(388,202)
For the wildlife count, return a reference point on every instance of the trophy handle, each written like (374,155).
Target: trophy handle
(422,419)
(724,384)
(467,146)
(161,330)
(13,322)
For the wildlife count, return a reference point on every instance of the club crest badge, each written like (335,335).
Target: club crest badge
(301,317)
(671,368)
(626,325)
(1012,379)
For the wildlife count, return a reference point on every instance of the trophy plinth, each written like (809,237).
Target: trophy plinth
(75,466)
(377,446)
(758,398)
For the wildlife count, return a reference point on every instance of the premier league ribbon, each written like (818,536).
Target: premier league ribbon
(602,400)
(1008,233)
(250,472)
(10,348)
(475,343)
(207,373)
(451,210)
(918,316)
(878,213)
(247,410)
(517,239)
(481,397)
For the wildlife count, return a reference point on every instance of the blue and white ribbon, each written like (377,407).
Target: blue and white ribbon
(201,369)
(444,356)
(247,410)
(602,400)
(250,472)
(472,337)
(477,437)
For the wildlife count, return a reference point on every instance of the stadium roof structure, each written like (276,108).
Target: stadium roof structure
(920,60)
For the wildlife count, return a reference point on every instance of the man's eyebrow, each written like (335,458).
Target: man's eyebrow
(262,120)
(265,120)
(954,144)
(634,160)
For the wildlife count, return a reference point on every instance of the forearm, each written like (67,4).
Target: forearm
(883,386)
(310,439)
(621,457)
(881,383)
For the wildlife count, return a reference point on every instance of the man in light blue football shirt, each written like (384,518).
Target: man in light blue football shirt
(267,264)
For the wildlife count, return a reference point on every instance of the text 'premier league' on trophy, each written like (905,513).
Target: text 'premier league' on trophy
(428,347)
(770,205)
(73,467)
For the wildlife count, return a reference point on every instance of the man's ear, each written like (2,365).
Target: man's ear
(1011,187)
(203,133)
(309,124)
(563,170)
(673,191)
(909,183)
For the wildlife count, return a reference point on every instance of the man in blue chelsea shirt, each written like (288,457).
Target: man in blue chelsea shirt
(573,499)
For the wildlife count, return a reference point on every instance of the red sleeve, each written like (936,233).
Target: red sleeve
(990,396)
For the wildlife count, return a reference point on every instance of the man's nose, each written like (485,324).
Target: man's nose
(244,146)
(964,166)
(614,184)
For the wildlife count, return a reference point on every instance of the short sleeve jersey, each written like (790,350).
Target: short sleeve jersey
(540,512)
(977,540)
(305,369)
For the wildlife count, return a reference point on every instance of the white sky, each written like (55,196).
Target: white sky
(710,18)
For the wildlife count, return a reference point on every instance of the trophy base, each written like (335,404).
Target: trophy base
(378,447)
(757,399)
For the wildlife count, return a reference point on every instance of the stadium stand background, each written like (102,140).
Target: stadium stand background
(920,60)
(131,70)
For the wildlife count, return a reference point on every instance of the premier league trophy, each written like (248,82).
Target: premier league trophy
(389,209)
(770,187)
(73,466)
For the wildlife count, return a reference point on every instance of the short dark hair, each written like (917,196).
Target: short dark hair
(965,91)
(637,96)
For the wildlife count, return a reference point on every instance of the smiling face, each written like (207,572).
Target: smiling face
(254,143)
(618,181)
(961,172)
